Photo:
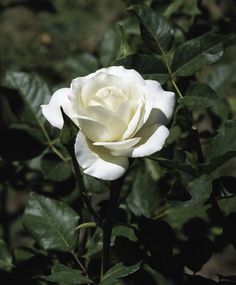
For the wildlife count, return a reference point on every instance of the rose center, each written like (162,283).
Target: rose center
(110,97)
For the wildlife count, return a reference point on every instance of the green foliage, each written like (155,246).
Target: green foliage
(66,275)
(199,96)
(5,257)
(196,53)
(156,30)
(55,169)
(56,223)
(118,271)
(176,210)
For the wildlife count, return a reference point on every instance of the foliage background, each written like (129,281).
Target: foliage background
(62,39)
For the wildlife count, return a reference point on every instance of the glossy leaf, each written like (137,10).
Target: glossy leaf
(222,147)
(109,47)
(81,64)
(65,275)
(148,65)
(196,53)
(200,190)
(144,198)
(156,30)
(5,257)
(118,271)
(199,95)
(55,169)
(33,90)
(51,223)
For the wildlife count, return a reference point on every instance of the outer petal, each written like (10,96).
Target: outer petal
(97,161)
(163,103)
(127,75)
(153,139)
(52,110)
(126,144)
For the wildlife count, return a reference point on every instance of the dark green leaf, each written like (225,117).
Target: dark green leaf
(222,78)
(125,48)
(125,231)
(200,190)
(33,91)
(197,53)
(109,47)
(118,271)
(199,95)
(54,168)
(223,147)
(81,64)
(5,257)
(65,275)
(51,223)
(174,164)
(148,65)
(156,30)
(94,185)
(144,198)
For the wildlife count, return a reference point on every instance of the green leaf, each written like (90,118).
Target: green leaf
(222,147)
(94,185)
(125,48)
(81,64)
(109,47)
(196,53)
(65,275)
(199,95)
(156,30)
(222,78)
(118,271)
(33,90)
(200,190)
(149,66)
(51,223)
(55,169)
(144,198)
(125,231)
(5,257)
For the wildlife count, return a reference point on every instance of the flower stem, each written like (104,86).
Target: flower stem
(109,222)
(79,262)
(195,133)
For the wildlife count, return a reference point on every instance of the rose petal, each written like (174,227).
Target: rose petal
(134,122)
(126,144)
(163,103)
(52,110)
(127,75)
(94,130)
(112,123)
(92,86)
(153,139)
(97,161)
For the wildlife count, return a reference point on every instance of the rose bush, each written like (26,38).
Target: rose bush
(120,115)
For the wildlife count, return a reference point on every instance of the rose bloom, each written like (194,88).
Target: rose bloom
(120,115)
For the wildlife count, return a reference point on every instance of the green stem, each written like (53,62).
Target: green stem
(109,222)
(79,262)
(50,144)
(195,133)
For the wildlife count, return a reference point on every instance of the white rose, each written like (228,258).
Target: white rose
(120,115)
